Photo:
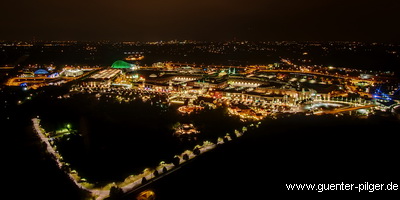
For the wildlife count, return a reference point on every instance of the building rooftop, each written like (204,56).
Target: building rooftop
(41,71)
(120,64)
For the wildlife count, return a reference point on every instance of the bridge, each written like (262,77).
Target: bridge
(346,109)
(302,72)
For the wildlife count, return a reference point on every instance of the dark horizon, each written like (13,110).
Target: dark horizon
(35,40)
(154,20)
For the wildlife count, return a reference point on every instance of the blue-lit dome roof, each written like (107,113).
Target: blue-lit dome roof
(41,71)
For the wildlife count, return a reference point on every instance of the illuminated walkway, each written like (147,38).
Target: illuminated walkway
(148,174)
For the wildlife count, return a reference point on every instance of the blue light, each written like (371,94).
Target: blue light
(41,72)
(381,95)
(53,75)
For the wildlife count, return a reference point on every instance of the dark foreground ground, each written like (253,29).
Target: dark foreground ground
(296,150)
(256,166)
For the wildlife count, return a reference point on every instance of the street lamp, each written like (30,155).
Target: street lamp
(68,126)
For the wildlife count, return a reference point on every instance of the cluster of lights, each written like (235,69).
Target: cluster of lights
(186,129)
(183,79)
(247,114)
(106,74)
(245,84)
(189,109)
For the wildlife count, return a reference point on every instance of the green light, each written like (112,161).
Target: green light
(119,64)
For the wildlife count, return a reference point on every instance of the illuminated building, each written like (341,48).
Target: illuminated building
(106,74)
(120,64)
(41,72)
(211,83)
(245,82)
(185,78)
(103,77)
(134,57)
(73,72)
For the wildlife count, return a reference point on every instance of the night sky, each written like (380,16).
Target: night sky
(213,20)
